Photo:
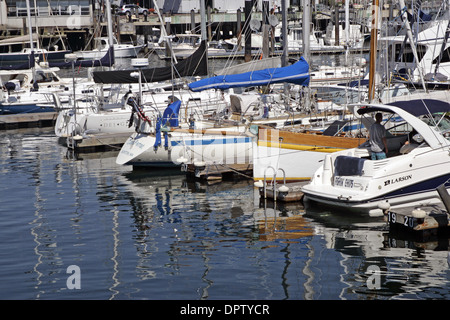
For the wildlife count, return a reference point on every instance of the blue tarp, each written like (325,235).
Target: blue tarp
(296,73)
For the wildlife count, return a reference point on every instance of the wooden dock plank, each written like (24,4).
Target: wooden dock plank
(98,142)
(216,171)
(27,120)
(294,192)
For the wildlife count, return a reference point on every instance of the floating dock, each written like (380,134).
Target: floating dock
(27,120)
(285,192)
(95,142)
(423,222)
(212,172)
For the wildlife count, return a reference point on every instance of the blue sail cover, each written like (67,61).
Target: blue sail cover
(296,73)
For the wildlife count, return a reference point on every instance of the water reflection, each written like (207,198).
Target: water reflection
(159,235)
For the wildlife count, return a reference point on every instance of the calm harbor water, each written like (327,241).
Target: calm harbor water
(134,235)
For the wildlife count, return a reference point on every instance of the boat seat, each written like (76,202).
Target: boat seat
(407,148)
(348,166)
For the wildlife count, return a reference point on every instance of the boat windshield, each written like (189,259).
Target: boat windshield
(439,121)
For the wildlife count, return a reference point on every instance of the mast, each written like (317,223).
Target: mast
(411,42)
(164,32)
(30,32)
(373,49)
(306,45)
(110,30)
(284,23)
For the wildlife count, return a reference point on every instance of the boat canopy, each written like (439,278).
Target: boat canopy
(296,73)
(409,112)
(415,107)
(195,65)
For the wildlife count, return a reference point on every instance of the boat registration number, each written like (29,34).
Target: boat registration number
(406,221)
(343,182)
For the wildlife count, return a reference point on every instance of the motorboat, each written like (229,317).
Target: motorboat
(418,161)
(28,90)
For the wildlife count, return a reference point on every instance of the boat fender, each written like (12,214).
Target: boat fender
(259,184)
(418,213)
(77,137)
(283,188)
(199,164)
(182,160)
(384,205)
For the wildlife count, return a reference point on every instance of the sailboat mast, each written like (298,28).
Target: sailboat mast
(110,30)
(164,32)
(284,24)
(30,32)
(306,44)
(412,43)
(373,49)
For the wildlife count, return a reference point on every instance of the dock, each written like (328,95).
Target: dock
(27,120)
(425,221)
(284,192)
(95,142)
(421,223)
(216,172)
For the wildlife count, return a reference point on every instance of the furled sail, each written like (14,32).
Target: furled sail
(106,61)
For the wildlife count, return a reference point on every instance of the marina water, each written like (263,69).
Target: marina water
(82,227)
(161,235)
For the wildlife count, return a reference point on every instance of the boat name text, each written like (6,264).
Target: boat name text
(399,179)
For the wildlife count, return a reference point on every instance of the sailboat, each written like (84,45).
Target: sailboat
(13,59)
(214,141)
(422,60)
(121,50)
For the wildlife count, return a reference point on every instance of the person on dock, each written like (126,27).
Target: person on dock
(377,139)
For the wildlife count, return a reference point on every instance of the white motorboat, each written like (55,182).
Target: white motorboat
(418,162)
(28,90)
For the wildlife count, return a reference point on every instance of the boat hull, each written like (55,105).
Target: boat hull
(175,149)
(298,155)
(19,58)
(410,182)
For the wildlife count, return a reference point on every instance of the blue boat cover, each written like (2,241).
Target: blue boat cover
(296,73)
(171,114)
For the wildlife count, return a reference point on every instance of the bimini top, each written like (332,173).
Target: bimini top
(409,112)
(415,107)
(297,73)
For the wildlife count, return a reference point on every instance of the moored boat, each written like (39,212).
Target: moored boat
(417,162)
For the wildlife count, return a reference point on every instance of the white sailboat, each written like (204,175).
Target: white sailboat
(102,44)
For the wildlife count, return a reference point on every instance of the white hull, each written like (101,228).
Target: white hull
(119,52)
(297,165)
(186,148)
